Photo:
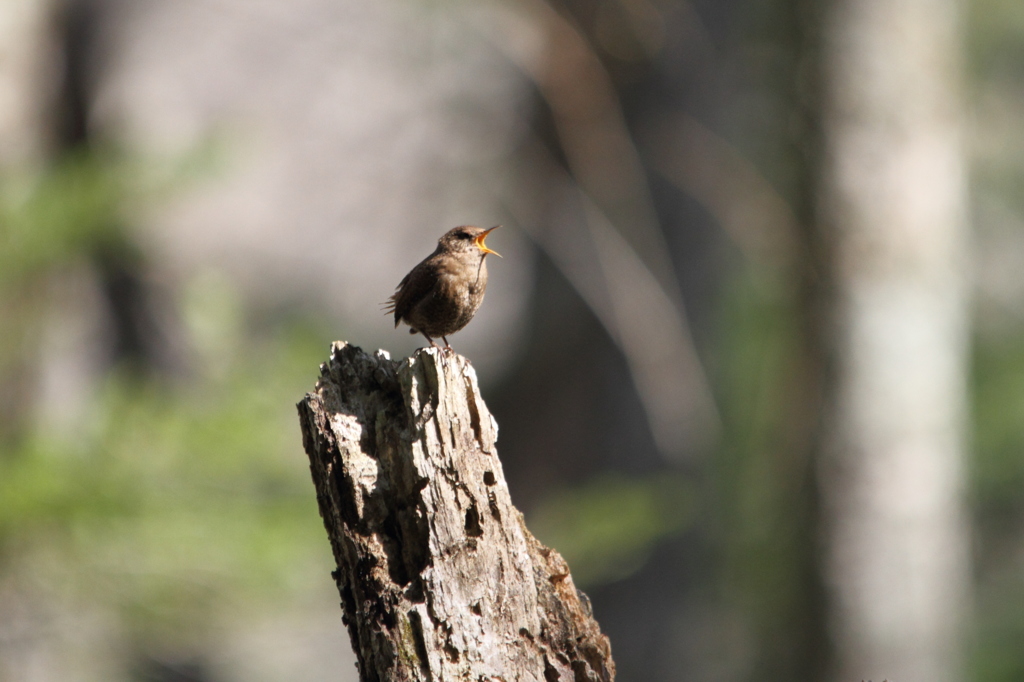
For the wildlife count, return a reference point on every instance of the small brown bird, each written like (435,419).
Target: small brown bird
(440,295)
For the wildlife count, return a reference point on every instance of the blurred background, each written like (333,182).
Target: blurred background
(755,347)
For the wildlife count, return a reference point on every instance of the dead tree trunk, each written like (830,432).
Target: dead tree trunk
(438,575)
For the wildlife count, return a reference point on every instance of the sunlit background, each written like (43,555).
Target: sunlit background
(198,196)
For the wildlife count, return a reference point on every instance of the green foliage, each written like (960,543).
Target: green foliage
(997,656)
(996,51)
(998,504)
(172,501)
(607,528)
(998,413)
(760,473)
(47,219)
(995,47)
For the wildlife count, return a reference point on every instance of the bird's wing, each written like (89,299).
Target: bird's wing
(410,291)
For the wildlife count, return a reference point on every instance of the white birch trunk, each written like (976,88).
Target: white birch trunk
(892,218)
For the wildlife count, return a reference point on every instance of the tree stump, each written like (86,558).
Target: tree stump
(439,577)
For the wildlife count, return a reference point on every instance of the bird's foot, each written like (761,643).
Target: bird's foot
(446,350)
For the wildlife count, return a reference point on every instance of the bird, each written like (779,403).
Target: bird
(442,293)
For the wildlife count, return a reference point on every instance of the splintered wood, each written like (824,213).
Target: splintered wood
(439,577)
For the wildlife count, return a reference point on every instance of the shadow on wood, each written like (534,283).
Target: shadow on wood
(438,575)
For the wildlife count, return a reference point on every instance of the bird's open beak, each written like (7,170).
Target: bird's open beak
(480,241)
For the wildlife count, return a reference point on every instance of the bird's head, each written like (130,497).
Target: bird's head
(467,239)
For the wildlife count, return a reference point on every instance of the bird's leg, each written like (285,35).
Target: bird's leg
(432,344)
(447,346)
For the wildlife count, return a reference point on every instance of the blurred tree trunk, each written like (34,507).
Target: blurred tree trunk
(891,221)
(26,57)
(439,577)
(26,39)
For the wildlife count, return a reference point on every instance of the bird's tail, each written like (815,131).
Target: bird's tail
(388,307)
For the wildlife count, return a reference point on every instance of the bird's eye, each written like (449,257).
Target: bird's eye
(465,235)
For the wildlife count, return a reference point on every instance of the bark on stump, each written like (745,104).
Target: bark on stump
(438,575)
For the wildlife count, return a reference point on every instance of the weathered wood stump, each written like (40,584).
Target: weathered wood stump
(438,575)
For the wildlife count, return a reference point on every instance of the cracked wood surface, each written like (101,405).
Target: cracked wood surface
(439,577)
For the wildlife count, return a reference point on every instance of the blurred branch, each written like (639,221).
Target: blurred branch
(637,313)
(636,294)
(595,138)
(704,165)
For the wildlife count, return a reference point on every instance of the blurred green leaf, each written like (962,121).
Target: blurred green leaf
(607,528)
(52,217)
